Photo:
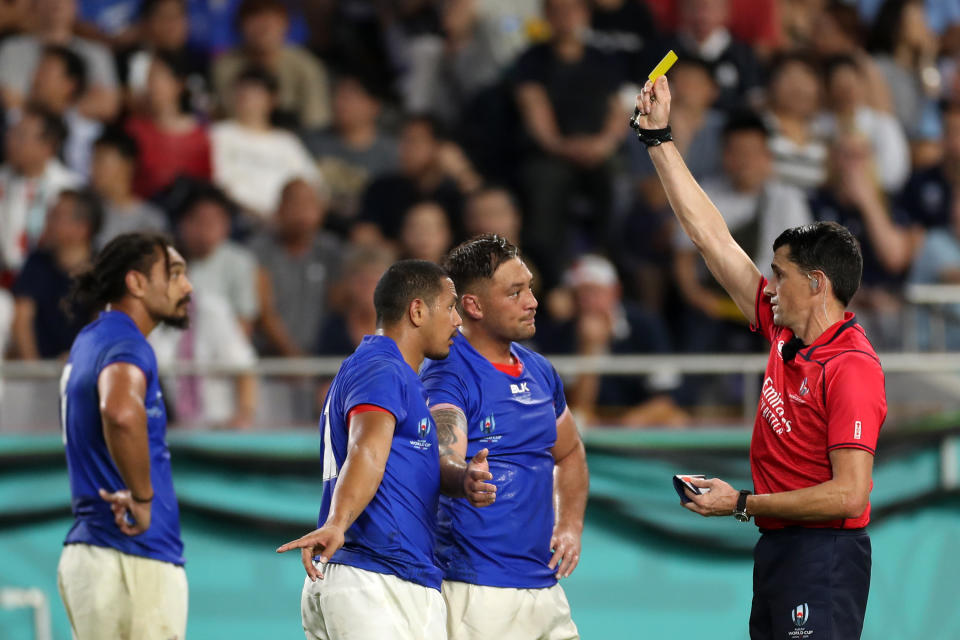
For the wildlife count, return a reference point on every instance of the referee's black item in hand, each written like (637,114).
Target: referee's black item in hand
(681,482)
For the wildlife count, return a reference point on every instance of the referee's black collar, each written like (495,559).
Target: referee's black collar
(845,324)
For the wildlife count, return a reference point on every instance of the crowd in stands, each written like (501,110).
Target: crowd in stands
(294,149)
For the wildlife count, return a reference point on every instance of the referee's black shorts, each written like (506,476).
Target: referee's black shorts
(810,583)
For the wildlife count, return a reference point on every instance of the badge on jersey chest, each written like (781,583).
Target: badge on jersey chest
(423,430)
(487,427)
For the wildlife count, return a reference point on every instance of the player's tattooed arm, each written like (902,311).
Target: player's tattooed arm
(460,478)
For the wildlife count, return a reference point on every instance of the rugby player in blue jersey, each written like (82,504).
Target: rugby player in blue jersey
(121,570)
(370,566)
(501,564)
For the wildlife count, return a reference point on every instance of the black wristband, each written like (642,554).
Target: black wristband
(650,137)
(139,500)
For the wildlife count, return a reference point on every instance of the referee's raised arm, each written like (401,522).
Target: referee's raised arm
(698,216)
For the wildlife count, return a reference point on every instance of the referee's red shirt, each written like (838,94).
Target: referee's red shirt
(831,396)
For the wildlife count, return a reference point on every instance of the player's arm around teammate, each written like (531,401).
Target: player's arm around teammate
(571,486)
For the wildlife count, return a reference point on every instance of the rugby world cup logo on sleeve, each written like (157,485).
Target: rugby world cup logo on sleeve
(487,427)
(424,428)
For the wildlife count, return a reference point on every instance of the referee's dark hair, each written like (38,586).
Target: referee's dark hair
(401,284)
(105,281)
(828,247)
(478,259)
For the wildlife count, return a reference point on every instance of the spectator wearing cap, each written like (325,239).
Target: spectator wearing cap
(170,139)
(54,22)
(355,149)
(252,159)
(58,83)
(756,208)
(303,89)
(30,182)
(111,177)
(218,266)
(41,326)
(603,323)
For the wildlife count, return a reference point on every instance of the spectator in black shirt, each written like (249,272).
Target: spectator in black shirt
(566,91)
(41,327)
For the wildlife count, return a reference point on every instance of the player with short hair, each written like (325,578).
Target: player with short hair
(821,407)
(381,473)
(501,564)
(121,571)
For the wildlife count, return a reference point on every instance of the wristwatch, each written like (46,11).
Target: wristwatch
(740,512)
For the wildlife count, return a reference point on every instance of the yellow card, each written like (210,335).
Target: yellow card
(663,66)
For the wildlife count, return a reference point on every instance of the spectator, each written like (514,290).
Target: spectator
(932,194)
(58,83)
(163,27)
(253,160)
(838,31)
(799,148)
(905,50)
(756,208)
(888,236)
(354,150)
(354,316)
(702,33)
(218,266)
(299,262)
(567,95)
(425,234)
(19,56)
(303,93)
(171,141)
(41,327)
(114,164)
(430,169)
(30,182)
(755,22)
(493,210)
(447,72)
(604,324)
(213,338)
(625,29)
(849,112)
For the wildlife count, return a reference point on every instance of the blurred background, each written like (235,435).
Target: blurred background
(294,149)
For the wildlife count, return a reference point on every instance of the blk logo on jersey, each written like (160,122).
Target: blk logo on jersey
(487,427)
(523,387)
(423,430)
(800,615)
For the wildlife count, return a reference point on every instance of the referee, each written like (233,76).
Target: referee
(821,408)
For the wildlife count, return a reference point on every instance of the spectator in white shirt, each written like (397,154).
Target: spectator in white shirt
(850,113)
(253,160)
(30,182)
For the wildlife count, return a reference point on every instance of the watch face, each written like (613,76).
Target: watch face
(742,517)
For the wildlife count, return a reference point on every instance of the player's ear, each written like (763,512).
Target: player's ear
(417,312)
(471,306)
(136,283)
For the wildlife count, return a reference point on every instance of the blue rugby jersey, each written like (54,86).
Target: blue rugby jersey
(396,533)
(506,544)
(113,337)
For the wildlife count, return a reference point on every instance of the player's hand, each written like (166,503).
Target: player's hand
(565,544)
(653,103)
(720,501)
(132,517)
(322,542)
(475,486)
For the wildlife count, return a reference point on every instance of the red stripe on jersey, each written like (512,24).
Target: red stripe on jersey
(364,408)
